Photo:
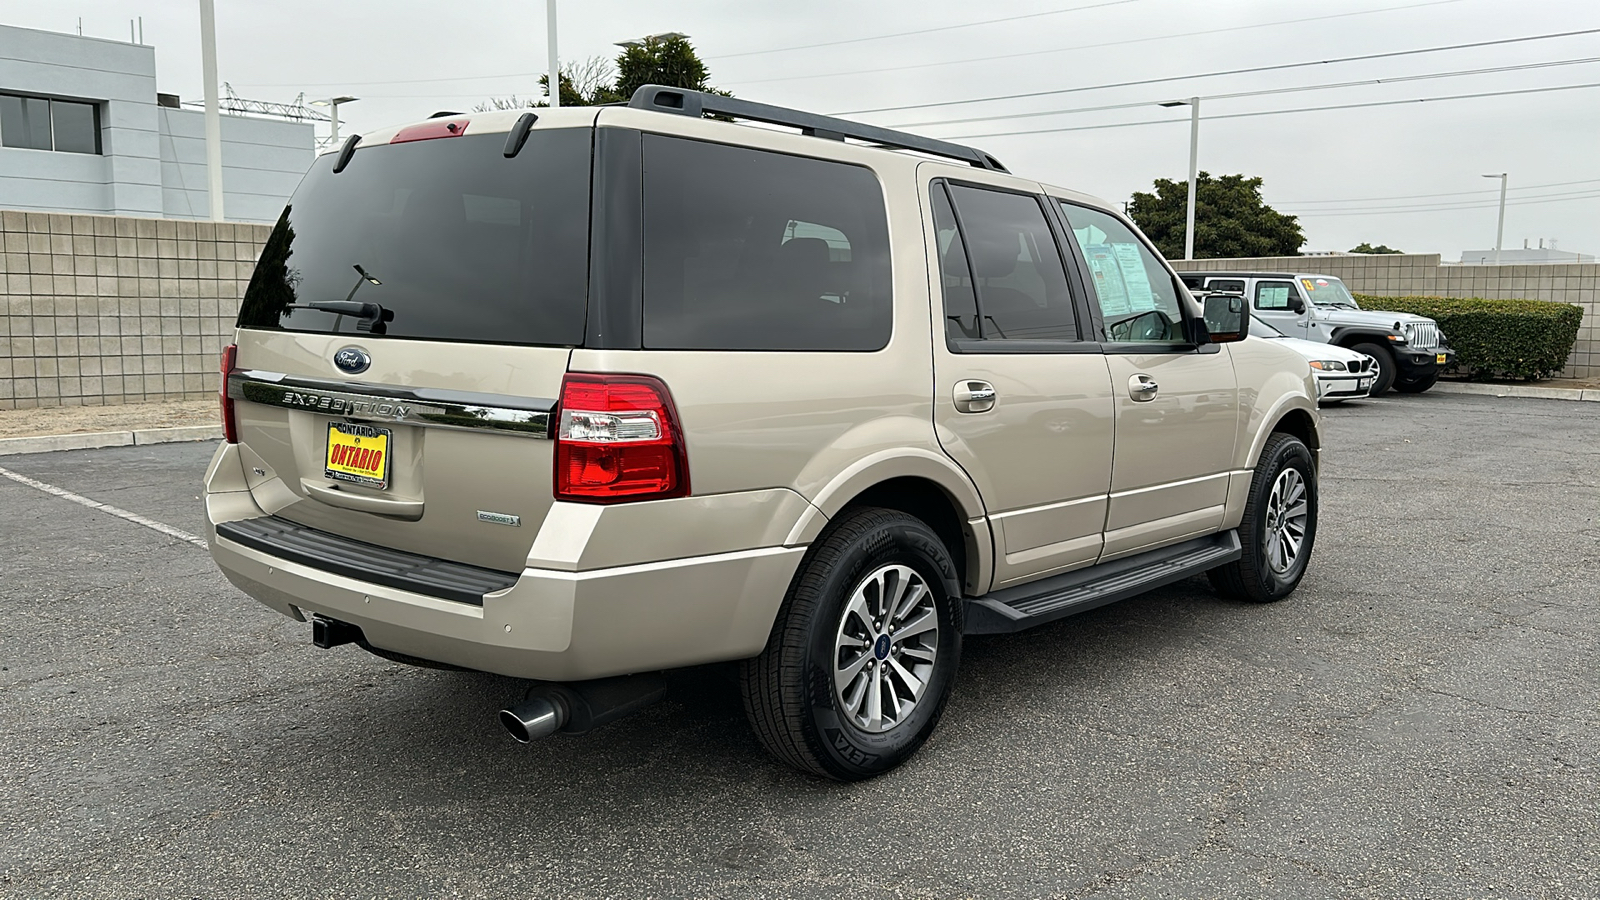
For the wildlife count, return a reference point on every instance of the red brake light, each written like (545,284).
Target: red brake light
(618,440)
(230,428)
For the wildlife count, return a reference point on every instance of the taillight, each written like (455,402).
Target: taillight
(619,440)
(230,428)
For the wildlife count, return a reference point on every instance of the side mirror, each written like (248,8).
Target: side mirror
(1224,317)
(1297,305)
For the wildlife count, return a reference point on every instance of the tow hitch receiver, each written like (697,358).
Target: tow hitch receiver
(326,632)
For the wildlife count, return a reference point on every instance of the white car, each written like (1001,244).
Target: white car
(1342,374)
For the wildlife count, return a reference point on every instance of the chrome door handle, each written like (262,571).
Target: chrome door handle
(974,396)
(1142,388)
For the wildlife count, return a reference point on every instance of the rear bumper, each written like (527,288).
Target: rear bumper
(550,624)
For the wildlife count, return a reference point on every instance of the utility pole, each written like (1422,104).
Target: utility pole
(555,61)
(1194,168)
(208,67)
(1500,230)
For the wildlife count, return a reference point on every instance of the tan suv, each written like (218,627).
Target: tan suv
(582,395)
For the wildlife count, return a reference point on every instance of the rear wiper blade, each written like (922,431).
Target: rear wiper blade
(372,316)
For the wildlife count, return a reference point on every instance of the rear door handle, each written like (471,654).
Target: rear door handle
(1142,388)
(974,396)
(406,510)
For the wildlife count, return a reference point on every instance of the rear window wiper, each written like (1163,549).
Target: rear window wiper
(372,316)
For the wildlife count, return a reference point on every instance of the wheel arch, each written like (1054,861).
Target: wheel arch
(921,484)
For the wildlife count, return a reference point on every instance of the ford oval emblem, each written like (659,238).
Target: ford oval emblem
(352,360)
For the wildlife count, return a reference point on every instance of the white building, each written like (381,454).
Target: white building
(82,131)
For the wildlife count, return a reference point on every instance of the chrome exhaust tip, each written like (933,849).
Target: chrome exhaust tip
(537,716)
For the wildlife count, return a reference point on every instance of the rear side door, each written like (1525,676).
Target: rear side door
(1177,404)
(1022,402)
(422,429)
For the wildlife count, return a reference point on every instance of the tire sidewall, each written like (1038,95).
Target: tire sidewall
(845,748)
(1384,361)
(1288,454)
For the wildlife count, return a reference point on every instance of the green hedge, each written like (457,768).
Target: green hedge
(1527,339)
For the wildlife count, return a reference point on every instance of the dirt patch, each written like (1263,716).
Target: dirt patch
(122,417)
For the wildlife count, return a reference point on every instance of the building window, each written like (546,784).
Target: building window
(37,123)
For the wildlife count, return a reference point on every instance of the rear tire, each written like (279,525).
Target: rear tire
(1279,525)
(873,615)
(1416,385)
(1383,361)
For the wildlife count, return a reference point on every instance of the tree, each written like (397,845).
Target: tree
(667,61)
(671,62)
(1231,220)
(1365,247)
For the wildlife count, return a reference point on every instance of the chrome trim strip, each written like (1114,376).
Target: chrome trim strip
(1170,484)
(1049,506)
(424,407)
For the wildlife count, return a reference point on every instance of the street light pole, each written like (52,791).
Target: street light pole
(1194,168)
(208,71)
(333,114)
(1500,229)
(555,62)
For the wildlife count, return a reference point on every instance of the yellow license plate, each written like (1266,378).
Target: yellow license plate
(1440,359)
(358,454)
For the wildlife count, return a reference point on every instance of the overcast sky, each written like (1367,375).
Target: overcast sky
(1353,175)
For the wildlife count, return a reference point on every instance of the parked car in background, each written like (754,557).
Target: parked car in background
(1408,351)
(1342,374)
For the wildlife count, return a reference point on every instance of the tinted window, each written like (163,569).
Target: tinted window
(1273,294)
(459,242)
(1138,298)
(76,127)
(1016,266)
(960,303)
(25,122)
(750,250)
(1232,285)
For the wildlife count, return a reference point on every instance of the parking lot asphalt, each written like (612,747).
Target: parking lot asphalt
(1419,720)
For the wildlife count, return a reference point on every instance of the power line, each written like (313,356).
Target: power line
(881,37)
(1525,187)
(1477,203)
(1140,40)
(1276,112)
(1247,71)
(1391,212)
(1268,91)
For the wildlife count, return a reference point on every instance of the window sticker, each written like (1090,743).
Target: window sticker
(1108,281)
(1308,284)
(1272,296)
(1140,296)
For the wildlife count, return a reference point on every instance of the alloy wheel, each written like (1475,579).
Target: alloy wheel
(885,648)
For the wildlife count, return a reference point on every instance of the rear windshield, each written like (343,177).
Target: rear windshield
(453,240)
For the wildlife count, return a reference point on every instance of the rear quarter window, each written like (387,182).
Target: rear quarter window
(752,250)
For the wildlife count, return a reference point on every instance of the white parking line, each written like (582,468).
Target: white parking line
(81,500)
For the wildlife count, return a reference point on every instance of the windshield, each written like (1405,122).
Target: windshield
(450,238)
(1261,329)
(1325,291)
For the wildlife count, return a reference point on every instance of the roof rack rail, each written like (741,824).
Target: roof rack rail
(698,103)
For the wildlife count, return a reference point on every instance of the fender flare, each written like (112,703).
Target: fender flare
(1285,404)
(1341,332)
(909,462)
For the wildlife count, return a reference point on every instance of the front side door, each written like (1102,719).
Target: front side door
(1022,402)
(1277,303)
(1177,404)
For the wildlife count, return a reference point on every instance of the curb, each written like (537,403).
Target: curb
(93,440)
(1516,390)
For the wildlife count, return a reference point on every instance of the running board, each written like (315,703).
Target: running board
(1059,596)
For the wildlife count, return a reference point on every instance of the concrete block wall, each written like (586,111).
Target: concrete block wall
(1422,274)
(98,310)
